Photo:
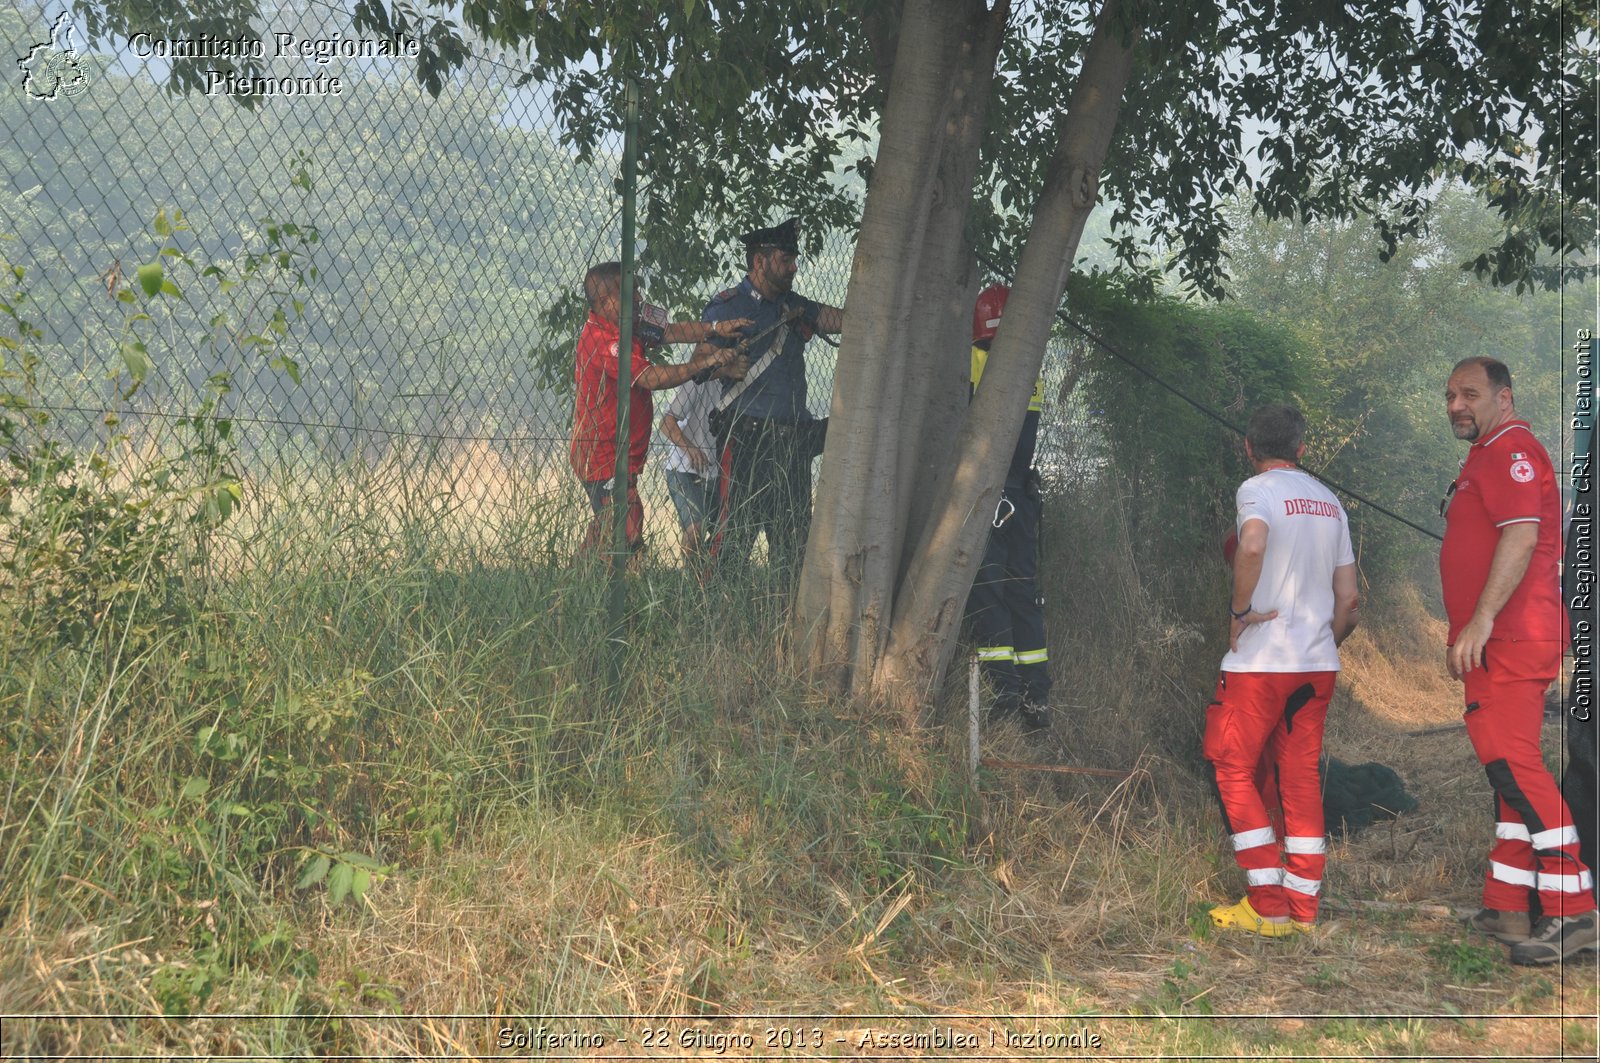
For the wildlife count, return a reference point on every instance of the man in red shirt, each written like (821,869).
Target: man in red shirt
(1502,595)
(594,416)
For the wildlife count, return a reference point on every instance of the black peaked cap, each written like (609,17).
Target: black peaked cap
(782,236)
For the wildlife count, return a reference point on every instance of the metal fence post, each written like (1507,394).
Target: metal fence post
(972,717)
(619,492)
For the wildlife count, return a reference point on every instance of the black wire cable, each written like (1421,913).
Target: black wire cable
(1064,318)
(1102,344)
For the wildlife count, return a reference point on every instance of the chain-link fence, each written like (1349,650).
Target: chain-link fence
(374,287)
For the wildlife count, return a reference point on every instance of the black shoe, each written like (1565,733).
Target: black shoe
(1556,938)
(1006,705)
(1035,718)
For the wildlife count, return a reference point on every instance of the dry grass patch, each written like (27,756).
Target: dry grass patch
(1394,665)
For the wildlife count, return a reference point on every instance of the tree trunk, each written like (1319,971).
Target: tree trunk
(910,233)
(899,528)
(929,605)
(934,399)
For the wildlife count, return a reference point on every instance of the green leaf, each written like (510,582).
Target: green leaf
(284,364)
(361,860)
(150,277)
(360,881)
(168,288)
(162,226)
(195,787)
(315,870)
(339,882)
(137,360)
(221,498)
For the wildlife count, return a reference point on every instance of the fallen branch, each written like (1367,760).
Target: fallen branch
(1449,727)
(1446,729)
(1439,911)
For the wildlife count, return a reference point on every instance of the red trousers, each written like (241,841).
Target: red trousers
(1536,844)
(1264,738)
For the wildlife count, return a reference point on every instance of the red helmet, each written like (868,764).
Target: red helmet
(986,314)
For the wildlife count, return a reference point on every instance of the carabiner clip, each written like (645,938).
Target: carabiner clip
(1008,506)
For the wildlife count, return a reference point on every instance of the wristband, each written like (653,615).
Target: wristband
(1246,611)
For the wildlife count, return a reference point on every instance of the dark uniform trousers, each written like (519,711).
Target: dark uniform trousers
(769,489)
(1006,609)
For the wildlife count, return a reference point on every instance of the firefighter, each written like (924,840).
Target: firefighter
(1005,608)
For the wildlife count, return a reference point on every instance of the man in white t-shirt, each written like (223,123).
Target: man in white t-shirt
(1294,601)
(693,464)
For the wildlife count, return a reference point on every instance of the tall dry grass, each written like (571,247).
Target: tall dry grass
(402,668)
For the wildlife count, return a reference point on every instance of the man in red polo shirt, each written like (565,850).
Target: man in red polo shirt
(1502,595)
(594,415)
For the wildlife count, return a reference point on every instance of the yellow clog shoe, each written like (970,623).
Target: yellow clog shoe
(1243,917)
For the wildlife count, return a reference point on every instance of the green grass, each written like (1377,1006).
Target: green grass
(1468,963)
(188,797)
